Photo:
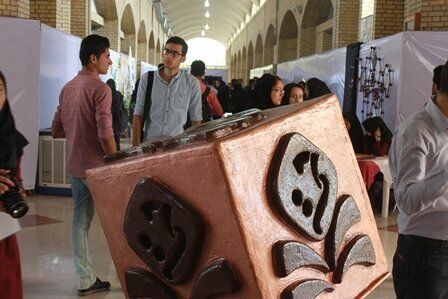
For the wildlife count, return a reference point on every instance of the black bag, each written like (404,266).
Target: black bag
(120,116)
(206,110)
(147,106)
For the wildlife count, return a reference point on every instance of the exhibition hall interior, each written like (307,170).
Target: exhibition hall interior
(221,148)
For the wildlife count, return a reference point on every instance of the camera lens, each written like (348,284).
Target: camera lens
(18,210)
(13,203)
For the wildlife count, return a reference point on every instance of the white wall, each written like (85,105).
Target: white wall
(20,61)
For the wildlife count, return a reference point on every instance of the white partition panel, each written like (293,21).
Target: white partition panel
(217,73)
(146,67)
(421,53)
(59,60)
(19,61)
(328,67)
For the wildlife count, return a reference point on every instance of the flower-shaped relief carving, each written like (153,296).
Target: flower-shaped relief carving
(302,189)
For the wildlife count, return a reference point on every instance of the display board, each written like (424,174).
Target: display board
(59,63)
(328,67)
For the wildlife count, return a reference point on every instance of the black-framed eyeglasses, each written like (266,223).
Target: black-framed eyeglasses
(278,90)
(174,54)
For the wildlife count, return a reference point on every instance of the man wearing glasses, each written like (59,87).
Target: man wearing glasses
(175,95)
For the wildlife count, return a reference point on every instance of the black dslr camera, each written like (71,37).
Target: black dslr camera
(13,203)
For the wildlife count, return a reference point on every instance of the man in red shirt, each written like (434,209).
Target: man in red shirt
(198,70)
(84,118)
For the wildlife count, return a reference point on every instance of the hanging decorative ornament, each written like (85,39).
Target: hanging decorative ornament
(375,83)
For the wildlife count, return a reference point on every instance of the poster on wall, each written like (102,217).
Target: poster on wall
(123,71)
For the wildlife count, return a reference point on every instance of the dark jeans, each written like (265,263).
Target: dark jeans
(420,268)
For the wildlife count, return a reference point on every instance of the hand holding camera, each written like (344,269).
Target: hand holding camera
(5,183)
(11,195)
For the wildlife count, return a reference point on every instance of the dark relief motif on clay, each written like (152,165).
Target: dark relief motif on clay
(164,231)
(167,235)
(302,189)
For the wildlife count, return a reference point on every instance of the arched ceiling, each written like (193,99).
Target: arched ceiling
(187,17)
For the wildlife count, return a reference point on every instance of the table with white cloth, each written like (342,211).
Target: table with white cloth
(369,167)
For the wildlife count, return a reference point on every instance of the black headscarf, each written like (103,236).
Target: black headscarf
(316,88)
(12,141)
(262,92)
(288,89)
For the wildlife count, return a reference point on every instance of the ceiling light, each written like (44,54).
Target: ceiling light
(202,32)
(206,3)
(207,14)
(207,27)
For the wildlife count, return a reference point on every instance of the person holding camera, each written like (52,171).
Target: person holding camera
(11,199)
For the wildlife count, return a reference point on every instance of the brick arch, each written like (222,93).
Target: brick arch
(238,65)
(107,9)
(258,59)
(269,43)
(158,52)
(244,65)
(316,12)
(234,71)
(288,36)
(151,49)
(142,43)
(128,44)
(250,58)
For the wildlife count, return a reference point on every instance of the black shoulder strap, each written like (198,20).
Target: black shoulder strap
(206,92)
(147,106)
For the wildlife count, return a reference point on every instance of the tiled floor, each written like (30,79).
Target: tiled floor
(47,264)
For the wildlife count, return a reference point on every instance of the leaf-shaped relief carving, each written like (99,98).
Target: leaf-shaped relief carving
(143,284)
(308,289)
(302,186)
(359,251)
(291,255)
(216,279)
(163,231)
(345,216)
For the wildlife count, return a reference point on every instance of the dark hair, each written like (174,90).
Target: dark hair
(2,77)
(444,80)
(92,45)
(316,88)
(288,88)
(111,83)
(437,74)
(197,68)
(178,41)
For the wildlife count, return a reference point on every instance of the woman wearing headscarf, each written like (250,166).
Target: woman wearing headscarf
(11,149)
(294,93)
(316,88)
(268,92)
(119,113)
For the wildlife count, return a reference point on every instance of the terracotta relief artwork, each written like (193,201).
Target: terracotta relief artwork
(302,188)
(259,205)
(168,236)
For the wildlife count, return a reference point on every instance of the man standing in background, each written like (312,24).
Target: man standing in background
(84,118)
(171,96)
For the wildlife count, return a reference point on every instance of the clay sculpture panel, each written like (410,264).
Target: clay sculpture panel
(265,204)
